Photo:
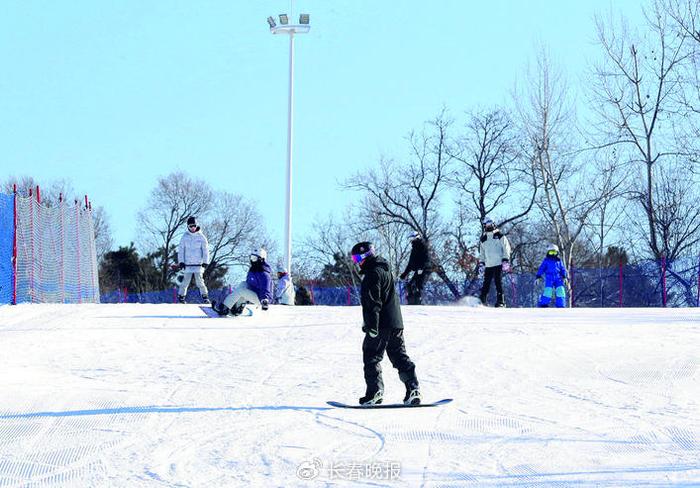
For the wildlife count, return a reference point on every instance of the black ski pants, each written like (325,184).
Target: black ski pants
(415,287)
(373,349)
(493,273)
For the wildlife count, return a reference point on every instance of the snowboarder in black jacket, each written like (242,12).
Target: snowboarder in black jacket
(418,262)
(383,327)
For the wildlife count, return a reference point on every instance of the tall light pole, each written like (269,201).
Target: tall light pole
(291,29)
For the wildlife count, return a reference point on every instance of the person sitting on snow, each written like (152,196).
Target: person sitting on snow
(284,293)
(256,289)
(554,278)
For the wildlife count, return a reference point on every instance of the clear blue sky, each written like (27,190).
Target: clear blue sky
(112,94)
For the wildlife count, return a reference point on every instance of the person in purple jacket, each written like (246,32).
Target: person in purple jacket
(555,277)
(256,289)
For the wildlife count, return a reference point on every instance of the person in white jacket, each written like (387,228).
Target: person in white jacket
(494,259)
(193,256)
(284,293)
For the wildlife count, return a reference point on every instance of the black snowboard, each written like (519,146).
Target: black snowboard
(444,401)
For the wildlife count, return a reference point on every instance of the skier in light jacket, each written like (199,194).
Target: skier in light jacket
(193,256)
(494,259)
(284,293)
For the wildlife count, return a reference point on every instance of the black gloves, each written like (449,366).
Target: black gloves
(182,265)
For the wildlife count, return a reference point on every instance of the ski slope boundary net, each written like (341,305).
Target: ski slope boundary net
(54,253)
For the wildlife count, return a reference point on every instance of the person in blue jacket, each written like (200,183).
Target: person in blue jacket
(555,277)
(256,289)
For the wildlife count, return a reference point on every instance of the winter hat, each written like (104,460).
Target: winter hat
(487,221)
(281,269)
(414,235)
(361,251)
(553,249)
(191,221)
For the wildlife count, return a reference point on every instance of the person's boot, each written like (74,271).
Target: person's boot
(413,396)
(500,301)
(265,304)
(372,398)
(181,298)
(237,309)
(205,299)
(220,308)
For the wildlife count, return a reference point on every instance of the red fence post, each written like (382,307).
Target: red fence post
(40,245)
(14,246)
(62,264)
(311,292)
(663,279)
(31,246)
(620,292)
(513,287)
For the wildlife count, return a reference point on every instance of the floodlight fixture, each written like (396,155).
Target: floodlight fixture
(304,19)
(284,20)
(271,22)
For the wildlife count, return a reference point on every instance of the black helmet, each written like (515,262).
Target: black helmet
(361,251)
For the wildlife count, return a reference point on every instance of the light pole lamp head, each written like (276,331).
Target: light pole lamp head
(271,22)
(304,19)
(284,19)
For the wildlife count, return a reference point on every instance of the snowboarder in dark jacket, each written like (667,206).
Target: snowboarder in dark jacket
(418,262)
(383,327)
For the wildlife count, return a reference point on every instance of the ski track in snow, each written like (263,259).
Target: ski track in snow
(160,395)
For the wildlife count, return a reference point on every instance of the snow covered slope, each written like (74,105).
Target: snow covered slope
(160,395)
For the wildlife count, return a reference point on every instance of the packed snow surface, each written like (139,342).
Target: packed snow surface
(161,395)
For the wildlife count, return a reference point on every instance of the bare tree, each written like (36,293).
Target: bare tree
(176,197)
(686,23)
(571,190)
(636,100)
(408,194)
(103,232)
(677,215)
(329,243)
(233,228)
(491,173)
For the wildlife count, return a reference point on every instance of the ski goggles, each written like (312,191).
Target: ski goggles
(193,226)
(358,258)
(552,253)
(254,257)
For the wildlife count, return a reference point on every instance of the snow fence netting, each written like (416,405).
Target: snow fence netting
(56,258)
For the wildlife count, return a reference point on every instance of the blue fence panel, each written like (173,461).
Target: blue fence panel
(638,285)
(7,231)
